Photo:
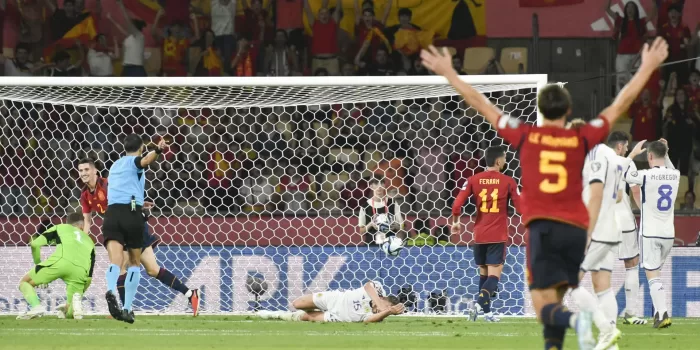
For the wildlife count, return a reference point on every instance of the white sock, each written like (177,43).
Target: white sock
(188,294)
(631,290)
(658,296)
(587,302)
(608,305)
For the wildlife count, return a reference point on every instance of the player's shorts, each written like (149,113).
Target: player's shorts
(654,252)
(328,302)
(124,225)
(554,254)
(149,240)
(489,254)
(55,268)
(600,256)
(629,247)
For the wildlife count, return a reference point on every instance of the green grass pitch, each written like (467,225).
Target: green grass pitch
(240,332)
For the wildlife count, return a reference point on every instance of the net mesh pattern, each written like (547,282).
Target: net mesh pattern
(257,200)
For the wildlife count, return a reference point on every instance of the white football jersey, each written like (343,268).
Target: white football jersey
(355,305)
(626,221)
(659,188)
(602,165)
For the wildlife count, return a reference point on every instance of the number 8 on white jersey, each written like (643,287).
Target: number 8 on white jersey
(659,188)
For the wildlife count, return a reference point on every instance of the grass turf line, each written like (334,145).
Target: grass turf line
(241,332)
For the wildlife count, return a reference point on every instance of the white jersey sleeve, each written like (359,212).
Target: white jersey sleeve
(602,165)
(626,221)
(354,306)
(659,189)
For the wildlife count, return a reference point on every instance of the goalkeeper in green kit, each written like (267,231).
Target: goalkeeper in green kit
(72,262)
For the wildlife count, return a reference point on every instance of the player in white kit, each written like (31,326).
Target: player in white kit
(659,188)
(628,250)
(602,172)
(365,304)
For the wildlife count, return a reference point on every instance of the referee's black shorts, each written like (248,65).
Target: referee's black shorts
(124,225)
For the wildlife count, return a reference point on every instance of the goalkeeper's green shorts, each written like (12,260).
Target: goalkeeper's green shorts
(55,268)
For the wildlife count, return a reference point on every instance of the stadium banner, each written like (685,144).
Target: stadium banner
(289,272)
(255,231)
(585,19)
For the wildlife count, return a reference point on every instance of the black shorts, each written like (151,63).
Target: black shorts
(489,254)
(149,240)
(554,254)
(124,225)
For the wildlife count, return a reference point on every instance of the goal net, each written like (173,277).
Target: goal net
(257,200)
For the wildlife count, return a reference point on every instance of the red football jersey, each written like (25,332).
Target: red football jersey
(96,200)
(492,190)
(552,160)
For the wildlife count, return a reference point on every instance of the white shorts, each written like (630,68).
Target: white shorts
(600,256)
(328,303)
(654,252)
(629,247)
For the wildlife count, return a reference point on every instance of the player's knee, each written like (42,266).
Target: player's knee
(153,271)
(298,303)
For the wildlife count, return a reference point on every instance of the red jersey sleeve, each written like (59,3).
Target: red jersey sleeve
(462,198)
(512,130)
(514,194)
(595,131)
(84,202)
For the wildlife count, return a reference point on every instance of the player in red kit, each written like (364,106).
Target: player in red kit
(492,190)
(551,159)
(93,199)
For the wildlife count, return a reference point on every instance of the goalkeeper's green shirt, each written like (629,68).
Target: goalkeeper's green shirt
(72,245)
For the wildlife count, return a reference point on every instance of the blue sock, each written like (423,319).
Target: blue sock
(556,315)
(487,289)
(131,284)
(112,277)
(553,337)
(482,280)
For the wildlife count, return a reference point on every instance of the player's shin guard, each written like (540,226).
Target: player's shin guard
(556,315)
(631,290)
(168,279)
(112,277)
(485,292)
(608,304)
(133,276)
(29,294)
(120,287)
(586,302)
(658,296)
(554,337)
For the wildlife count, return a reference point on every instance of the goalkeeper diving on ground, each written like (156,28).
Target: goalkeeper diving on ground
(72,262)
(365,304)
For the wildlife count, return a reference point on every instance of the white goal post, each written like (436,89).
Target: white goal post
(265,179)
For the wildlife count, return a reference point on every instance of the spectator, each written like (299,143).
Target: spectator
(457,65)
(659,10)
(380,66)
(281,59)
(629,32)
(21,66)
(62,19)
(692,90)
(31,26)
(367,28)
(100,58)
(695,47)
(417,68)
(689,201)
(681,126)
(295,188)
(210,62)
(175,42)
(492,67)
(348,69)
(222,167)
(324,43)
(62,66)
(134,44)
(355,191)
(256,21)
(645,118)
(12,199)
(223,14)
(677,35)
(407,38)
(321,72)
(379,216)
(244,64)
(256,191)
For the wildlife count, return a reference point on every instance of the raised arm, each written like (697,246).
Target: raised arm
(152,155)
(667,161)
(130,27)
(309,12)
(116,24)
(652,57)
(358,58)
(609,11)
(51,4)
(338,11)
(441,63)
(358,11)
(116,54)
(155,30)
(387,11)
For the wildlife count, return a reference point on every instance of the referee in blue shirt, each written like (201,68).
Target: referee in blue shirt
(123,224)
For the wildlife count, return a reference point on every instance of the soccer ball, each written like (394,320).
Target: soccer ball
(392,246)
(382,221)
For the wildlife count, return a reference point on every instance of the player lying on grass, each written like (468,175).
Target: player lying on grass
(93,199)
(366,304)
(72,262)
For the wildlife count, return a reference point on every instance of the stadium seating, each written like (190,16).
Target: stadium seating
(475,58)
(511,57)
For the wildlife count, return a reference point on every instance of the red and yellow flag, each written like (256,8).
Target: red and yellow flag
(545,3)
(84,31)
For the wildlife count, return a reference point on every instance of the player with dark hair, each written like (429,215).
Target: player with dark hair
(72,262)
(492,190)
(93,199)
(551,159)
